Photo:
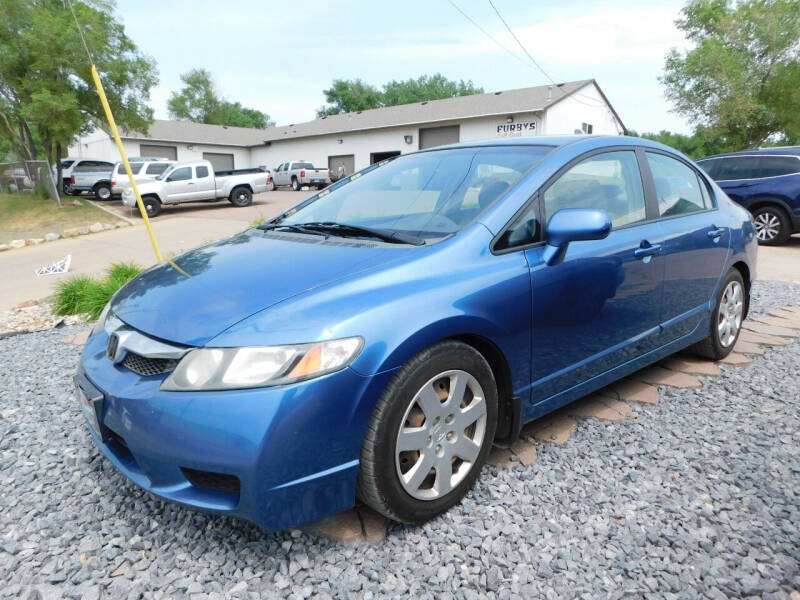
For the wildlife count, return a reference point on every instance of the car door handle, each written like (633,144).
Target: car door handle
(648,250)
(716,233)
(190,183)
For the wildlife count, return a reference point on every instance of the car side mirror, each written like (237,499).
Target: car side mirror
(573,225)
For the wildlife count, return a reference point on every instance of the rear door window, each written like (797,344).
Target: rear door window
(733,168)
(135,168)
(609,181)
(678,187)
(201,172)
(773,166)
(156,168)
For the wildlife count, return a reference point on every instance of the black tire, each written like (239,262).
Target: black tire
(102,191)
(295,184)
(379,484)
(152,206)
(773,227)
(241,196)
(713,346)
(67,188)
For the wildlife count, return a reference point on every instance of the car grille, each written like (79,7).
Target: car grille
(145,366)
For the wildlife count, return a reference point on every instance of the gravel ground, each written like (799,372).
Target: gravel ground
(698,496)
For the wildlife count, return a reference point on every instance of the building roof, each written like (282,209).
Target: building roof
(531,99)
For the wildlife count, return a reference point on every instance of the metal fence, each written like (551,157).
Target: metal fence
(33,177)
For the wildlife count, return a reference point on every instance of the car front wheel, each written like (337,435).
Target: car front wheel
(430,434)
(726,318)
(772,226)
(152,206)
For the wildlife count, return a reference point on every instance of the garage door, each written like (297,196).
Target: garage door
(438,136)
(169,152)
(221,162)
(343,159)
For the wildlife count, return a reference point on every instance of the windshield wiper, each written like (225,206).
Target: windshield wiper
(347,230)
(297,228)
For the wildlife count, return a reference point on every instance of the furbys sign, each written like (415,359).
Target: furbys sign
(516,129)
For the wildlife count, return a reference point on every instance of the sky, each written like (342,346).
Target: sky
(280,60)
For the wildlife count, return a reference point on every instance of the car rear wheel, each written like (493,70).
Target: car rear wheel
(67,187)
(102,191)
(772,226)
(726,319)
(241,197)
(295,184)
(152,206)
(430,434)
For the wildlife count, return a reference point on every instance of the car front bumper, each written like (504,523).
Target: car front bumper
(278,456)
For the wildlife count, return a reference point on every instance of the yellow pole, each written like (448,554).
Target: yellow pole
(101,92)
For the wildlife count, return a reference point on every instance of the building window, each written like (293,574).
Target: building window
(587,128)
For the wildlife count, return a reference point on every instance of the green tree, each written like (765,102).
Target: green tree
(697,145)
(198,101)
(47,96)
(352,95)
(741,80)
(426,87)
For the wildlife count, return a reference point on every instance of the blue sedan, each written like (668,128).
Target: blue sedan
(374,341)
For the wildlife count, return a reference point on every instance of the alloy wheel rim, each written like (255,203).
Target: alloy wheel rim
(767,226)
(441,435)
(729,315)
(104,193)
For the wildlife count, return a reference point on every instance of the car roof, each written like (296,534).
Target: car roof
(772,151)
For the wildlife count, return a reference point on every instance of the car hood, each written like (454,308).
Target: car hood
(198,295)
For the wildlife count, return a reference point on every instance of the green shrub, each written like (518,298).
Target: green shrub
(86,295)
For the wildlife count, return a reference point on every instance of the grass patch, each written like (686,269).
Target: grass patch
(82,294)
(259,220)
(24,216)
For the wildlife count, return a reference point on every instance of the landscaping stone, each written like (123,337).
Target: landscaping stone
(122,224)
(108,226)
(71,232)
(79,339)
(4,247)
(736,359)
(769,329)
(762,338)
(51,237)
(525,451)
(96,227)
(17,243)
(34,241)
(554,429)
(779,321)
(692,366)
(344,527)
(600,407)
(27,304)
(83,230)
(743,347)
(77,202)
(632,391)
(656,375)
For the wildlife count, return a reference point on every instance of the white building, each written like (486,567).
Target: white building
(361,138)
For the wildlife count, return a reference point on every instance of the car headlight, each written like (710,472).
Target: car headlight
(259,366)
(100,324)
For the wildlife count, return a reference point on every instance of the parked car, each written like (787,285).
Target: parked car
(16,179)
(374,341)
(299,173)
(90,178)
(143,169)
(766,182)
(69,164)
(196,181)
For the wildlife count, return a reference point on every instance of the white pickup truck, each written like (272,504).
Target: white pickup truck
(298,173)
(196,182)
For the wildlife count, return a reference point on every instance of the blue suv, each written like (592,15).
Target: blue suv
(767,183)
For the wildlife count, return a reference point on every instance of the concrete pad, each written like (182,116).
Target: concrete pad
(501,457)
(599,407)
(373,523)
(736,359)
(344,527)
(525,451)
(763,339)
(747,348)
(777,321)
(656,375)
(554,429)
(79,339)
(631,391)
(779,262)
(693,366)
(769,329)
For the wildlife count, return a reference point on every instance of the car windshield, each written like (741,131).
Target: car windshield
(427,194)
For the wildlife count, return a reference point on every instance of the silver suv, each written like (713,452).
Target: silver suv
(144,168)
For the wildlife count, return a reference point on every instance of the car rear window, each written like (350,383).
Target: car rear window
(772,166)
(135,168)
(302,166)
